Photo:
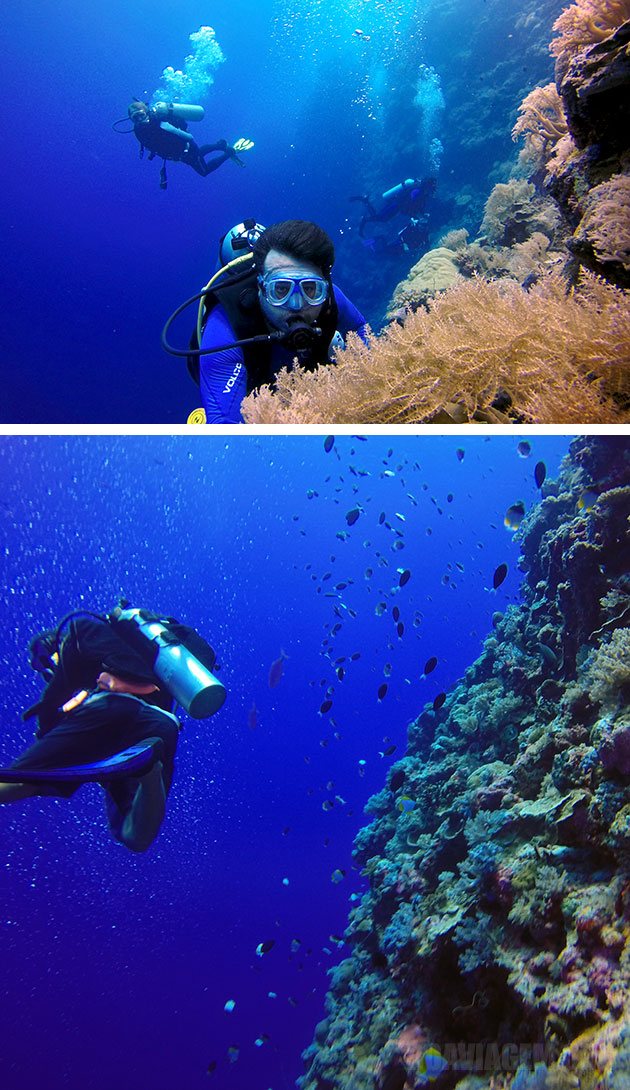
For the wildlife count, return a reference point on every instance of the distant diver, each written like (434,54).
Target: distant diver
(106,714)
(409,198)
(154,129)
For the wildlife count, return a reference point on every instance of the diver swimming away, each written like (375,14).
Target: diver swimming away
(106,713)
(272,303)
(409,199)
(156,133)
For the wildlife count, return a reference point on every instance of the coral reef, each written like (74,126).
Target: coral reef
(435,272)
(483,355)
(481,349)
(585,23)
(496,928)
(602,237)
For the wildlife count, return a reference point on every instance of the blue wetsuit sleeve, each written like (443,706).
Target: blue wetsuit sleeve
(350,318)
(222,376)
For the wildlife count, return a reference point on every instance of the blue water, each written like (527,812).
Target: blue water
(116,967)
(96,256)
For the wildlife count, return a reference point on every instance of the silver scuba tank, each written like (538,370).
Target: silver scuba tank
(188,681)
(396,190)
(178,111)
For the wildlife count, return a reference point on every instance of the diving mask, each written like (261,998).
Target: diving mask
(293,291)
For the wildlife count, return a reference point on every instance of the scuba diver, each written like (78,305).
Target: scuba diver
(275,302)
(106,713)
(408,198)
(153,127)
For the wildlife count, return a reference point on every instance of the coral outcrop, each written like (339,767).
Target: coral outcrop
(496,928)
(482,350)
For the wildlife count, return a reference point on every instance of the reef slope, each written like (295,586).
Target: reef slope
(496,928)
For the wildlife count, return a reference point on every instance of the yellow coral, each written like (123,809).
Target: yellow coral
(434,272)
(558,357)
(541,122)
(609,669)
(585,23)
(605,225)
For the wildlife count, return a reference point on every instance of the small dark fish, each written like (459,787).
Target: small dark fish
(252,717)
(329,443)
(276,670)
(439,701)
(381,518)
(389,751)
(524,449)
(400,628)
(499,575)
(286,830)
(405,576)
(355,655)
(212,1066)
(396,613)
(382,691)
(460,452)
(540,473)
(449,498)
(430,665)
(340,673)
(265,947)
(325,706)
(352,515)
(397,780)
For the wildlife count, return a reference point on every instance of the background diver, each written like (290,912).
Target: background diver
(105,691)
(154,129)
(409,198)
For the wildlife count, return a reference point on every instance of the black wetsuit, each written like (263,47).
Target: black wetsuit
(161,142)
(105,723)
(404,200)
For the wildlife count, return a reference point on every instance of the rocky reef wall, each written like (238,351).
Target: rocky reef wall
(494,940)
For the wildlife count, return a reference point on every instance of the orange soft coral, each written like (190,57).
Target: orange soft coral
(541,117)
(560,358)
(585,23)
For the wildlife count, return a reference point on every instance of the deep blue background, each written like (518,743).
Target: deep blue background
(115,967)
(96,256)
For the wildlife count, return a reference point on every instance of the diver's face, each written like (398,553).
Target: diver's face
(297,309)
(138,112)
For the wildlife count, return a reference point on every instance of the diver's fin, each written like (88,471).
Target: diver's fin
(243,144)
(130,762)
